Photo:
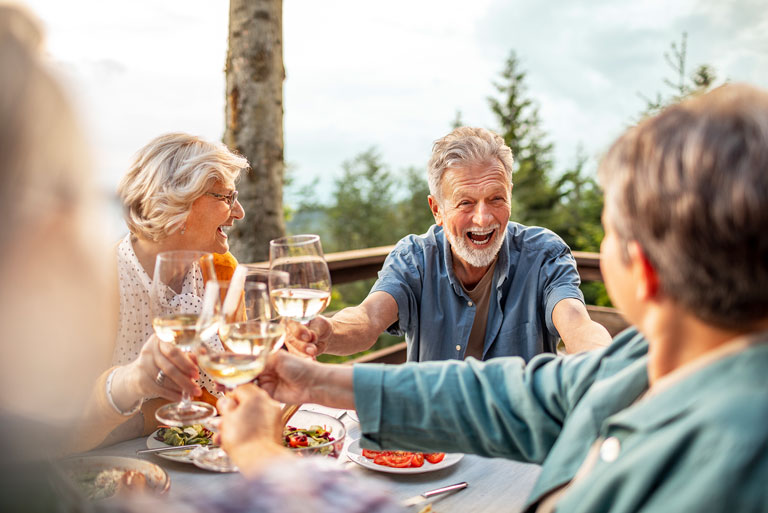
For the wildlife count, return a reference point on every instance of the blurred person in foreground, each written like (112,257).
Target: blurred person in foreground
(178,194)
(672,415)
(54,309)
(54,305)
(476,284)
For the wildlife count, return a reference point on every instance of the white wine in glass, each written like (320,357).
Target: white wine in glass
(179,329)
(269,277)
(231,369)
(252,337)
(246,348)
(176,299)
(308,291)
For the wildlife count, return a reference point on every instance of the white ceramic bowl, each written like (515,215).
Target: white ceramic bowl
(303,419)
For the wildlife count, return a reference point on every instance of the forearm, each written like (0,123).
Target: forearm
(578,331)
(586,337)
(356,328)
(333,386)
(352,331)
(99,419)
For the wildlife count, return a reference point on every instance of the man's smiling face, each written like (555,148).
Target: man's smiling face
(474,210)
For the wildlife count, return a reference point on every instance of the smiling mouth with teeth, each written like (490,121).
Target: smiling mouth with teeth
(480,238)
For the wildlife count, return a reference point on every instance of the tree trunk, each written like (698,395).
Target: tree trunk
(254,115)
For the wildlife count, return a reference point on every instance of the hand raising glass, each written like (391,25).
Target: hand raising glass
(176,300)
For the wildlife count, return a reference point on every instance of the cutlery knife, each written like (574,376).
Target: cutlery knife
(418,499)
(173,448)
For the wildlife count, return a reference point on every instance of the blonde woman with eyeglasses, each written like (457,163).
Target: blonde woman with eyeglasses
(178,194)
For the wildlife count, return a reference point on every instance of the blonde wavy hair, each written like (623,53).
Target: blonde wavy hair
(167,176)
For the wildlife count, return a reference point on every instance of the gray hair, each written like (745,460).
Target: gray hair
(167,176)
(690,185)
(463,147)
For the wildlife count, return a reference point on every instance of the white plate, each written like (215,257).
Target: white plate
(182,455)
(355,453)
(157,478)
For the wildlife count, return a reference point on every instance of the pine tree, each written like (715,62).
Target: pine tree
(362,214)
(683,85)
(533,196)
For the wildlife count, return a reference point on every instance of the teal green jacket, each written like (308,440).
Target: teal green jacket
(699,445)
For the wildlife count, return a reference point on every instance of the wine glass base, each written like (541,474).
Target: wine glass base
(175,415)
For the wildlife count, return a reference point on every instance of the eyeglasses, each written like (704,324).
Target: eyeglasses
(229,199)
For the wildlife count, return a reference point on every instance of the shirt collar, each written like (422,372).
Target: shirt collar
(662,404)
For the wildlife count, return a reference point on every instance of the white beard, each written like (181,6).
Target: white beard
(474,256)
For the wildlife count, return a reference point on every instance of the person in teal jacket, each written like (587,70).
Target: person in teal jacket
(673,415)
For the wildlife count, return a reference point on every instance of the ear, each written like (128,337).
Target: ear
(434,206)
(646,277)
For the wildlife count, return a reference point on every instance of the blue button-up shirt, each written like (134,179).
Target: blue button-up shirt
(534,271)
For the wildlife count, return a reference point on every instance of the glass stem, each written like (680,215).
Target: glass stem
(186,401)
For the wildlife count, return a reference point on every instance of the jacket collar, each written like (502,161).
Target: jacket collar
(661,408)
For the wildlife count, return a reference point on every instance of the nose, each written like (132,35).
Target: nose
(237,210)
(482,216)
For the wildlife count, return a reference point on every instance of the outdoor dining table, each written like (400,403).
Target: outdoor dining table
(494,484)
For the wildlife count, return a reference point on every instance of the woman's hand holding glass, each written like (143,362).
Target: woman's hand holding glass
(139,379)
(176,302)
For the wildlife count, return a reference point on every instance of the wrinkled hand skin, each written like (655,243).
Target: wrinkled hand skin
(310,340)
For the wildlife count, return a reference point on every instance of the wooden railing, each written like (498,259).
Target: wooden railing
(361,264)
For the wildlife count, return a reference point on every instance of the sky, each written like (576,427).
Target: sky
(392,75)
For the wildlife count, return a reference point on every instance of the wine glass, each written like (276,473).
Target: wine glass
(246,346)
(176,301)
(308,290)
(271,278)
(242,317)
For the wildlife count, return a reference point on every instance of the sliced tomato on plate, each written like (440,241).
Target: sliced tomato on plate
(417,459)
(370,453)
(434,457)
(396,459)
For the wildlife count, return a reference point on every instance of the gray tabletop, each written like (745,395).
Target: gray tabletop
(494,484)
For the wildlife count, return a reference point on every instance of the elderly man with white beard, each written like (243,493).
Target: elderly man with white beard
(476,284)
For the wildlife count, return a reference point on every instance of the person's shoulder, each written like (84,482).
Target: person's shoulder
(534,239)
(736,410)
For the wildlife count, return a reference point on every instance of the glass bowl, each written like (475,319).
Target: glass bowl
(304,419)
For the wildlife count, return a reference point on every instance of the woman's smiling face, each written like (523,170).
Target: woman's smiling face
(208,216)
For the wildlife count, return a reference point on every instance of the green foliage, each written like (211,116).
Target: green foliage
(533,196)
(571,204)
(413,211)
(362,215)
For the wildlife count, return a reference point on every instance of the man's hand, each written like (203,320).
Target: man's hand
(310,340)
(294,380)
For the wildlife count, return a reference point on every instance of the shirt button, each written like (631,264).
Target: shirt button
(458,348)
(610,449)
(469,303)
